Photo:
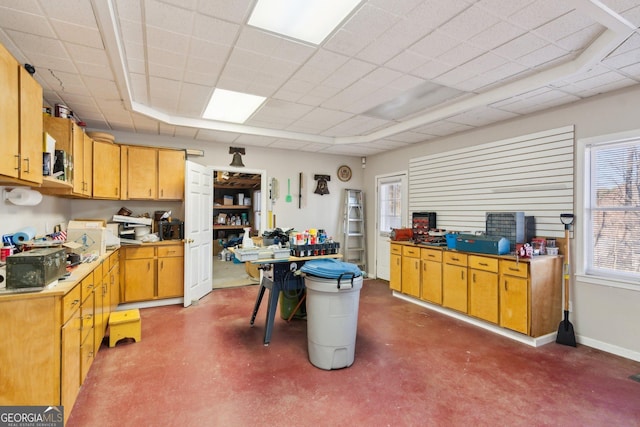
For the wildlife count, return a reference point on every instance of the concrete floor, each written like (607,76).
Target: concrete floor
(205,366)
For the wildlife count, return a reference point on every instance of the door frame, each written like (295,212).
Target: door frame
(404,179)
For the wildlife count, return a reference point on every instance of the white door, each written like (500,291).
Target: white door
(198,233)
(391,208)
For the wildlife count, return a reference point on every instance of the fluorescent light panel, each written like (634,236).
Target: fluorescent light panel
(308,20)
(230,106)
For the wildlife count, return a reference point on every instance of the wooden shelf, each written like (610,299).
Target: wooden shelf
(230,227)
(238,207)
(49,182)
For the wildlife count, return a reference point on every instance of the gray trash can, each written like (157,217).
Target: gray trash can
(332,313)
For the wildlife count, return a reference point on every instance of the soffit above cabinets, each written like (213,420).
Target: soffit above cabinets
(150,66)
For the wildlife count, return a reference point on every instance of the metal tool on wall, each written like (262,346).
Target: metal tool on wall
(300,190)
(566,335)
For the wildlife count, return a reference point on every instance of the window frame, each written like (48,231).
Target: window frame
(584,271)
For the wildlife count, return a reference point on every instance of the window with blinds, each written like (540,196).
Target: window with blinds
(612,210)
(531,174)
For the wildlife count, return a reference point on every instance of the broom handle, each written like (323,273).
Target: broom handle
(567,269)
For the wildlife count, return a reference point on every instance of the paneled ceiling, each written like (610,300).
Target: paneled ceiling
(150,66)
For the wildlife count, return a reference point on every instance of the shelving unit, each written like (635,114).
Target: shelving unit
(231,185)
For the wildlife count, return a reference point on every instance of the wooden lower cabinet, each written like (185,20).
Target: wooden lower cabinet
(431,275)
(152,271)
(483,288)
(411,271)
(48,340)
(521,295)
(395,268)
(454,281)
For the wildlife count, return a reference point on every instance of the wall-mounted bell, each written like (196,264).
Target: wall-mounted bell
(237,156)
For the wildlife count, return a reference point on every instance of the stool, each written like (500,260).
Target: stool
(124,324)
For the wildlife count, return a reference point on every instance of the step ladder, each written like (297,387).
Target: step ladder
(354,246)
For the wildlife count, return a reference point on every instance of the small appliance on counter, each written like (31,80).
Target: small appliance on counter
(170,229)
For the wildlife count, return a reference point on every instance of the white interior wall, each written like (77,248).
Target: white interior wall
(603,317)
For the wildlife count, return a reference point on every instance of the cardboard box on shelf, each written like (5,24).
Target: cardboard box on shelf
(89,234)
(227,200)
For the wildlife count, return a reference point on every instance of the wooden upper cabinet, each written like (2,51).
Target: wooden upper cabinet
(171,169)
(21,119)
(106,170)
(9,114)
(71,138)
(142,173)
(30,128)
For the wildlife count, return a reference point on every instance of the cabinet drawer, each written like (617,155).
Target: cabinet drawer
(396,249)
(70,303)
(113,259)
(483,263)
(411,251)
(166,251)
(513,268)
(431,255)
(455,258)
(137,253)
(87,285)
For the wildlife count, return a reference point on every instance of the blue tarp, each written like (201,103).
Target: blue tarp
(330,268)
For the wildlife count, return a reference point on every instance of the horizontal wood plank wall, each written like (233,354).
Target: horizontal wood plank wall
(531,174)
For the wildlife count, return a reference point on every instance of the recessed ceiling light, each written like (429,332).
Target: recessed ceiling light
(230,106)
(308,20)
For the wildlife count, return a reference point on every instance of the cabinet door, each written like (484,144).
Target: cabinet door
(142,173)
(106,170)
(115,287)
(170,277)
(87,165)
(30,128)
(514,303)
(9,114)
(395,279)
(87,354)
(431,281)
(70,369)
(483,295)
(411,276)
(171,169)
(77,142)
(454,287)
(139,279)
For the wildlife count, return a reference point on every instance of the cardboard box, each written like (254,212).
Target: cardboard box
(90,235)
(228,200)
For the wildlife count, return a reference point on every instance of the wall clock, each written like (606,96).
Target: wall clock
(344,173)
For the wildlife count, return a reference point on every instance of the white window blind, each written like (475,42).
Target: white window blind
(531,174)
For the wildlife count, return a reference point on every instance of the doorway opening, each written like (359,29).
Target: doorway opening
(237,207)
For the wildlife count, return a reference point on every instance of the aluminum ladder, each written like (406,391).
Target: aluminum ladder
(355,247)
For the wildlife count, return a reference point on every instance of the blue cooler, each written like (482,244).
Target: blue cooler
(333,296)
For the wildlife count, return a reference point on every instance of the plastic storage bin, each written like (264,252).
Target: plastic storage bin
(332,312)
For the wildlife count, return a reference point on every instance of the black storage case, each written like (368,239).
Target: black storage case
(422,222)
(36,268)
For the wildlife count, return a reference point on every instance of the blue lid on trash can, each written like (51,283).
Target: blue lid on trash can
(330,268)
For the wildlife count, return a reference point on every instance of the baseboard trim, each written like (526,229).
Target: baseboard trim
(148,304)
(533,342)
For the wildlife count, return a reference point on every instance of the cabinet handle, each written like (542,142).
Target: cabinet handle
(149,192)
(161,192)
(148,266)
(431,256)
(117,191)
(17,156)
(462,274)
(506,287)
(162,265)
(474,277)
(28,169)
(484,264)
(75,302)
(455,259)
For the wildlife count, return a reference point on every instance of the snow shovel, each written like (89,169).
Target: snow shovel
(566,336)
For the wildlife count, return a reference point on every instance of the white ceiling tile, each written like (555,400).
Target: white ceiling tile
(37,44)
(431,70)
(377,53)
(136,66)
(442,128)
(580,39)
(481,116)
(633,15)
(370,21)
(632,71)
(544,56)
(433,13)
(130,10)
(233,10)
(496,35)
(460,54)
(185,132)
(454,76)
(214,52)
(102,71)
(539,13)
(400,7)
(406,61)
(564,26)
(434,45)
(139,87)
(167,40)
(73,11)
(132,32)
(348,73)
(346,43)
(469,23)
(214,30)
(77,34)
(25,22)
(504,8)
(87,54)
(168,17)
(217,136)
(520,46)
